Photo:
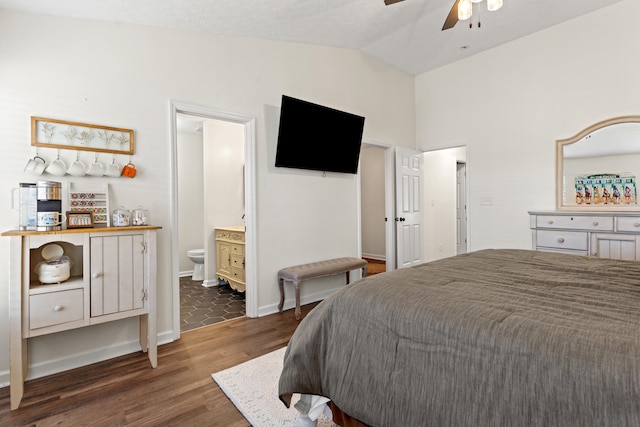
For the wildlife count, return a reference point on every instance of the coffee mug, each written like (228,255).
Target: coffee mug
(57,167)
(129,170)
(49,219)
(77,168)
(96,169)
(35,166)
(113,169)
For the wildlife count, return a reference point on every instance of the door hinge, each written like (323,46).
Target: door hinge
(144,247)
(144,294)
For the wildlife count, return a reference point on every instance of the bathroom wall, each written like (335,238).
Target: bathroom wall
(372,163)
(223,184)
(190,197)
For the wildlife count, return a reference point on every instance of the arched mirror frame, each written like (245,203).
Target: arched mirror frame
(561,143)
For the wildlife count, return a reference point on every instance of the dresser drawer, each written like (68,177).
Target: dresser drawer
(558,239)
(237,261)
(237,274)
(597,223)
(55,308)
(629,224)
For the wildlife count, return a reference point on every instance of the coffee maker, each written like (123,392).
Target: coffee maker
(48,200)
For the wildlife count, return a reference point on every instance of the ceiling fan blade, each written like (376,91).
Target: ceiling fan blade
(452,18)
(388,2)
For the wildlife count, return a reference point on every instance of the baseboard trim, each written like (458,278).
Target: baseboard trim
(291,303)
(55,366)
(374,256)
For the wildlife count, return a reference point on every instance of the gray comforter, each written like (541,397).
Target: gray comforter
(490,338)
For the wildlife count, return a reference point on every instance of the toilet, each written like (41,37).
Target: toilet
(197,256)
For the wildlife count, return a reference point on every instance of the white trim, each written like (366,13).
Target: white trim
(251,299)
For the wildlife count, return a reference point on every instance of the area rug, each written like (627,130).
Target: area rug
(253,388)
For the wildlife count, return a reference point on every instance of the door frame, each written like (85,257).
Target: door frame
(390,237)
(175,107)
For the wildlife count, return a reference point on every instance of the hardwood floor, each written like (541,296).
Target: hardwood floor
(180,391)
(375,266)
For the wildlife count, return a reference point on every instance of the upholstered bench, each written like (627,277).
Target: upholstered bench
(298,273)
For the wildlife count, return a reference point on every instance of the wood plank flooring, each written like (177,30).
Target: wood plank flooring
(179,392)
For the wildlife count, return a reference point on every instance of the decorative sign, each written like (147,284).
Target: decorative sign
(80,136)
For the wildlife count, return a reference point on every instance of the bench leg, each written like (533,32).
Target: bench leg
(365,270)
(298,311)
(348,277)
(281,284)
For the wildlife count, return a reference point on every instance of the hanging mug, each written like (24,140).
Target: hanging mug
(129,170)
(35,166)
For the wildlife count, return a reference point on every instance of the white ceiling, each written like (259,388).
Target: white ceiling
(406,35)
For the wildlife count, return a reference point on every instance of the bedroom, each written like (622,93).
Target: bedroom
(513,103)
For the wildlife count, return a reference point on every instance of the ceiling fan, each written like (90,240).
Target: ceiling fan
(454,15)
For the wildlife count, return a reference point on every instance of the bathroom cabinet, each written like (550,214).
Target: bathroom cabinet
(112,277)
(230,259)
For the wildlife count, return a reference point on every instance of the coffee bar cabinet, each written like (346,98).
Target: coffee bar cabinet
(111,276)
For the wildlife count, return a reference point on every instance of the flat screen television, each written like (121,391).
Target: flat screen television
(315,137)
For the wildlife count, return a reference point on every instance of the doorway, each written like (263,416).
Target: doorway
(377,243)
(246,189)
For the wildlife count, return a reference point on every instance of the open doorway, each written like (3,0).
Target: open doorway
(376,207)
(241,190)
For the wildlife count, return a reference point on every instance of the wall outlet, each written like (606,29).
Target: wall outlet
(486,201)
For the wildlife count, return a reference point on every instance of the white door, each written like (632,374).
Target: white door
(409,230)
(461,208)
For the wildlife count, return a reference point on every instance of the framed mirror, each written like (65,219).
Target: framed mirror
(598,168)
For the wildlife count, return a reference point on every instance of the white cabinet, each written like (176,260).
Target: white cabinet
(614,235)
(112,276)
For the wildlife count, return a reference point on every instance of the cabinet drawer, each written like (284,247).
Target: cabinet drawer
(237,250)
(598,223)
(237,261)
(55,308)
(237,274)
(562,239)
(629,224)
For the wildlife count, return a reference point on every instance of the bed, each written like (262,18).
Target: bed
(489,338)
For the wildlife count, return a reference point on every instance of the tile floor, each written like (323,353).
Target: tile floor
(201,306)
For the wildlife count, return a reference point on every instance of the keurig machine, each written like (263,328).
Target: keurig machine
(49,205)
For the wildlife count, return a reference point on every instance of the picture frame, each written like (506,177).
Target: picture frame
(68,135)
(79,219)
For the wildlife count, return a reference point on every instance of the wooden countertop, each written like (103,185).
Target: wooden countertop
(81,230)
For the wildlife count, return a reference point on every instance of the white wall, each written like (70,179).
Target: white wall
(190,197)
(223,184)
(125,76)
(513,102)
(440,177)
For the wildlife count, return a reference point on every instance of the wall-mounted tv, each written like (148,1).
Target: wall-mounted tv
(315,137)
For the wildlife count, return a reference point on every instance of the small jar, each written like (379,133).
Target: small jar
(121,217)
(140,216)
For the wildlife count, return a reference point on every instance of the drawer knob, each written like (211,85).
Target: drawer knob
(637,224)
(560,239)
(595,223)
(58,308)
(95,275)
(550,221)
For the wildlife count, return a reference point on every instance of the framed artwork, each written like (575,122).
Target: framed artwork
(80,136)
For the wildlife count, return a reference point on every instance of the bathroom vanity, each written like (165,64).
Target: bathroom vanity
(230,259)
(112,277)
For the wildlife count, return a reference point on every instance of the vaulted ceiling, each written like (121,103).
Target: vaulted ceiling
(407,35)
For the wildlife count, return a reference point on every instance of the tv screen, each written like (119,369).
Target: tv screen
(316,137)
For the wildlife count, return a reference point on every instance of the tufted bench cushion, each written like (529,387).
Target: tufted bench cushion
(314,270)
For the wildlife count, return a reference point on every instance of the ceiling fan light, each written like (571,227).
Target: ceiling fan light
(493,5)
(464,9)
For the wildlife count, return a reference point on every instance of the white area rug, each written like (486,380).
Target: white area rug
(253,387)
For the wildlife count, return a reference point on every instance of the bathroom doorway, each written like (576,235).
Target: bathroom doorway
(212,178)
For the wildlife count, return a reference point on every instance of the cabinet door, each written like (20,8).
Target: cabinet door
(117,274)
(223,260)
(615,246)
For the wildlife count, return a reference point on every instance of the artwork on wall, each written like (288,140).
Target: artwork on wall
(80,136)
(606,189)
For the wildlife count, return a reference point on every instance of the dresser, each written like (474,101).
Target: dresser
(112,276)
(614,235)
(230,259)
